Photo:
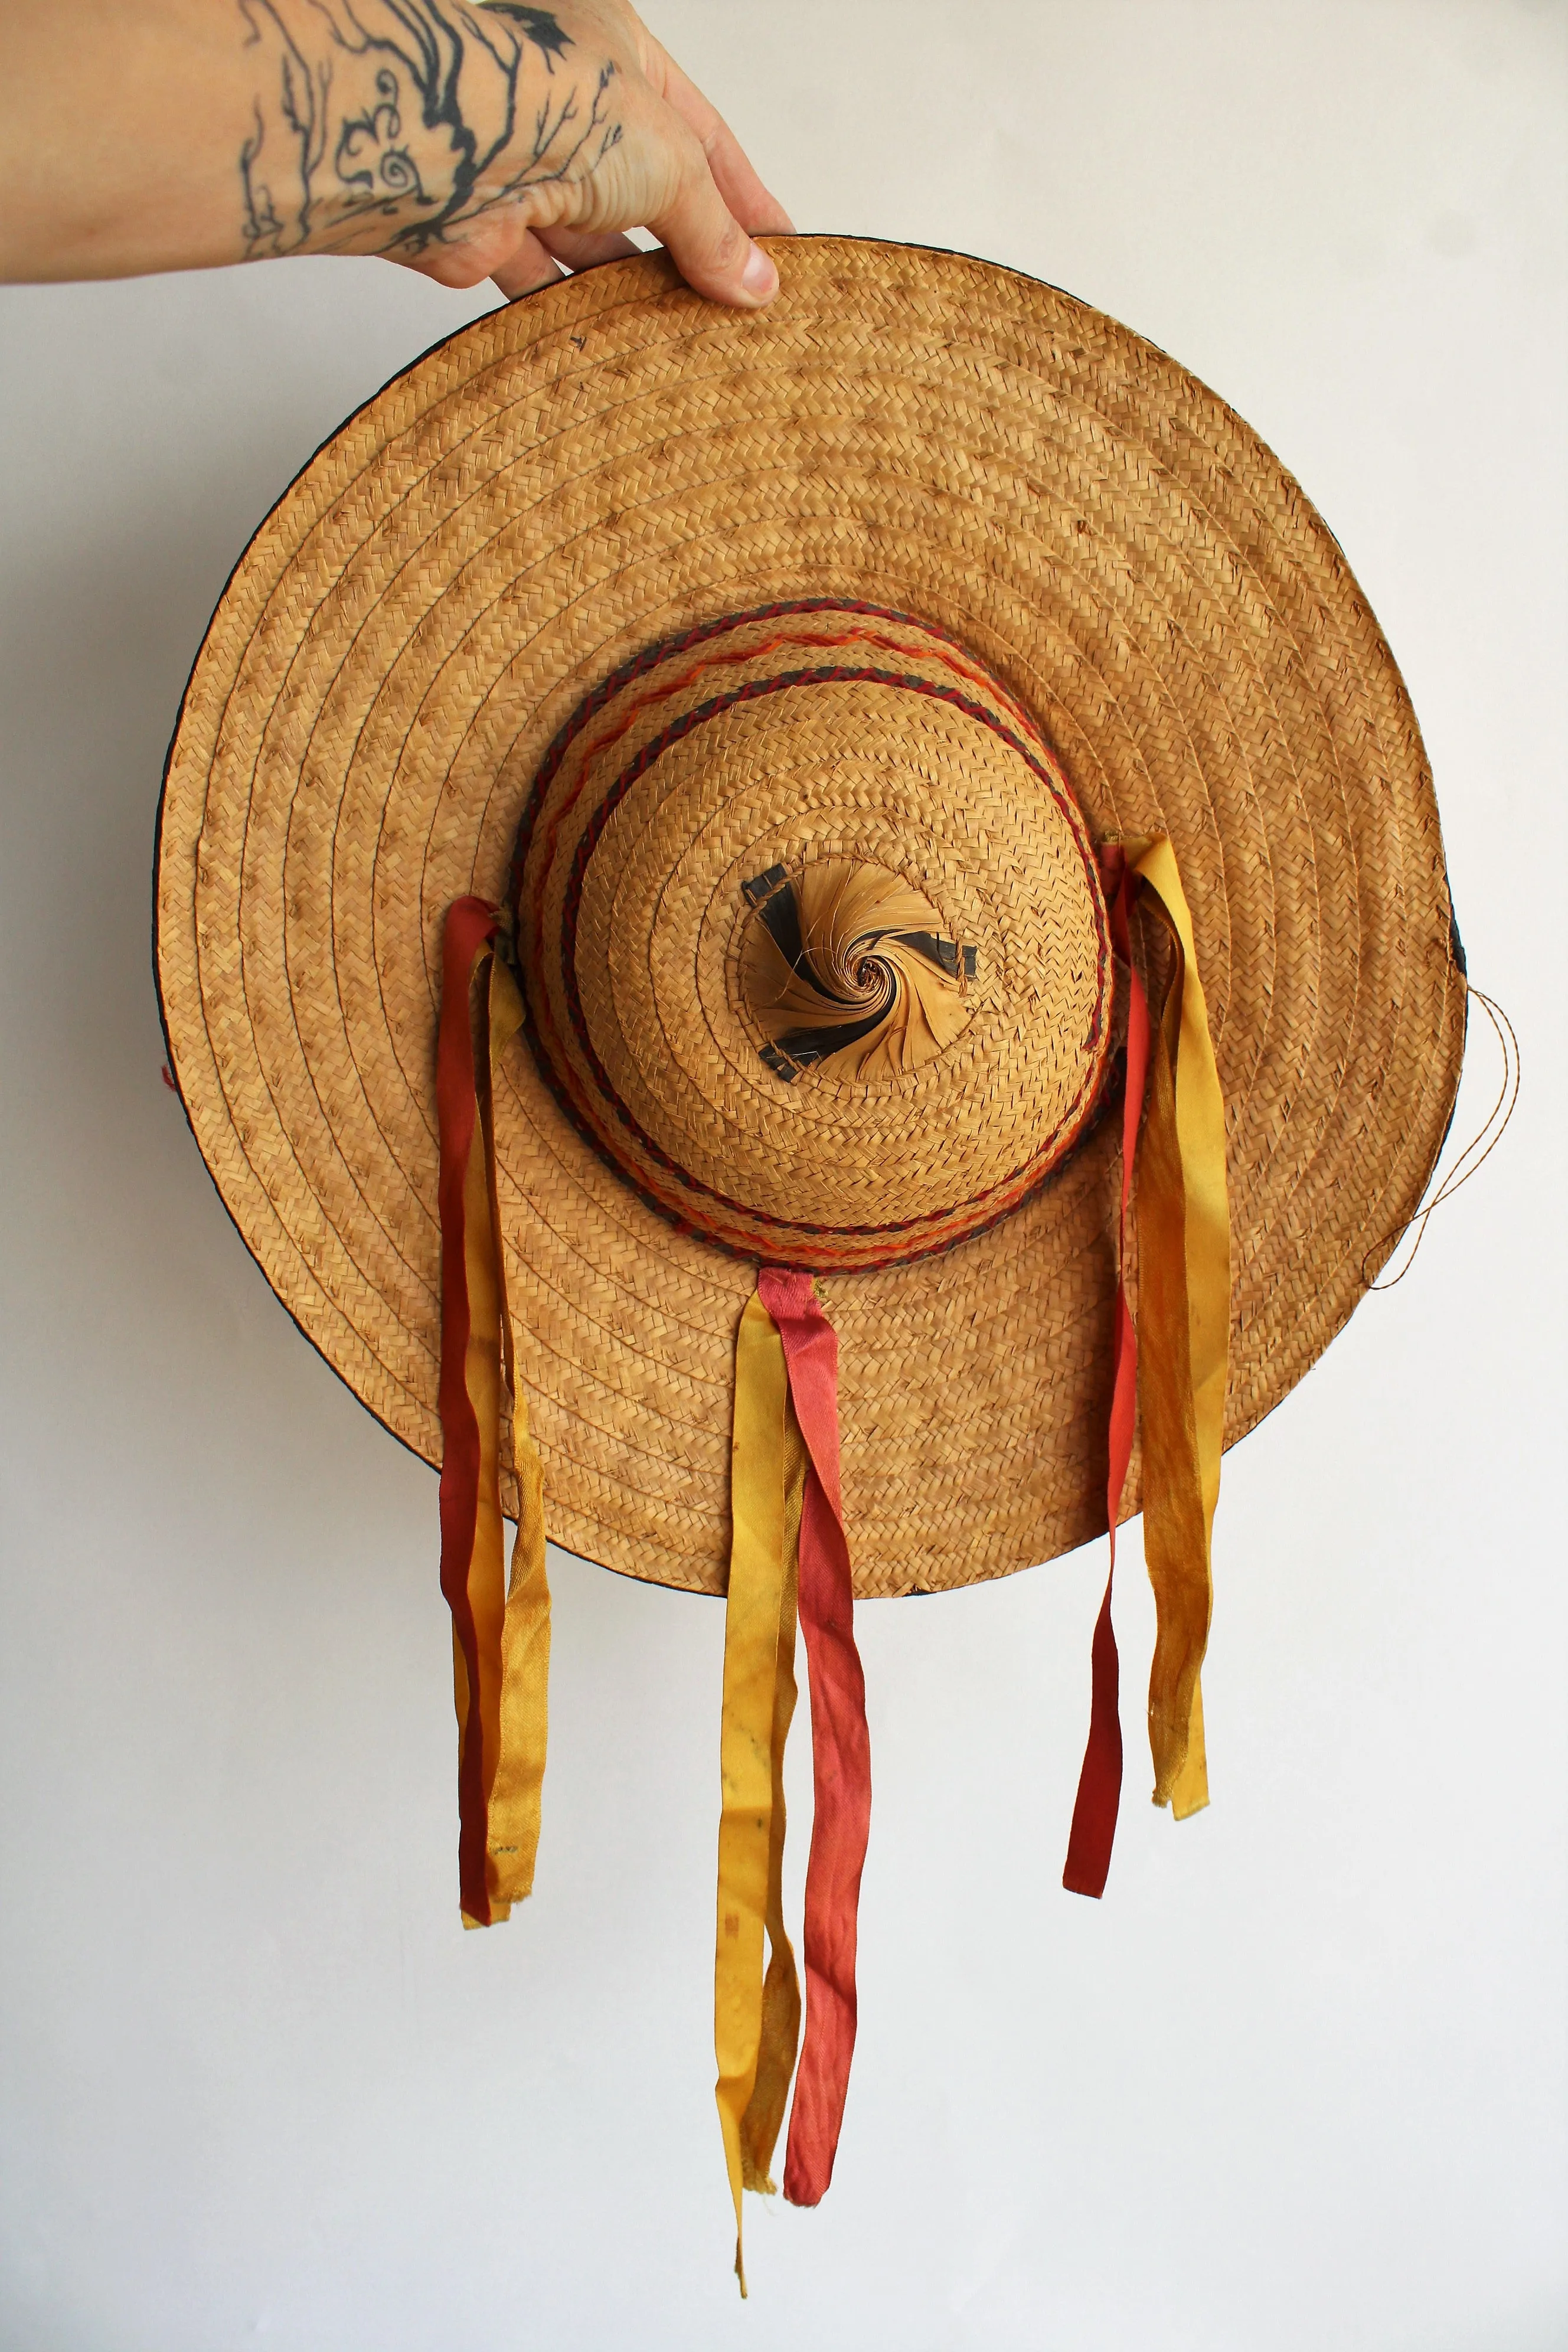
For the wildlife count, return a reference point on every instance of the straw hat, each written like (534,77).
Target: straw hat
(877,611)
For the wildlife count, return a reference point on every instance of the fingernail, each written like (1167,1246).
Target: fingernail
(759,278)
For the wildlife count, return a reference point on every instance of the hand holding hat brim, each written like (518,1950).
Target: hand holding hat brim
(677,169)
(462,141)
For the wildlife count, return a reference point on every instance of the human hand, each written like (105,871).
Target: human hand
(470,141)
(465,140)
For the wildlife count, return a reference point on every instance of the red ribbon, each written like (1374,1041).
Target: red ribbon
(841,1746)
(471,924)
(1099,1781)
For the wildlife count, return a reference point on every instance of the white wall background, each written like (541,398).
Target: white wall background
(1300,2081)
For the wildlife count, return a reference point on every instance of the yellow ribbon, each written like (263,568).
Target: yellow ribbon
(1184,1336)
(513,1636)
(756,2022)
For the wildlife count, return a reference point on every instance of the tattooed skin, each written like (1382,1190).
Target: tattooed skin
(380,125)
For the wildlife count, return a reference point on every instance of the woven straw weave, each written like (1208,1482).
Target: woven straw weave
(613,463)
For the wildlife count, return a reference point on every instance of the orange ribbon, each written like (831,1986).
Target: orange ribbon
(787,1548)
(840,1742)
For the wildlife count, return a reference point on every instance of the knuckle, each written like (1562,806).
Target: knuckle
(691,161)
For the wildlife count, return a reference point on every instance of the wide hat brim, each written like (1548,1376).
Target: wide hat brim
(614,461)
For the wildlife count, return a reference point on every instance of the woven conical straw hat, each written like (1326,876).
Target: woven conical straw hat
(877,612)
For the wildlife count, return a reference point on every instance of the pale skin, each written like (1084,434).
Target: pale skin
(464,141)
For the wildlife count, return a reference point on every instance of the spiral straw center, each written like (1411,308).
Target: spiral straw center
(845,969)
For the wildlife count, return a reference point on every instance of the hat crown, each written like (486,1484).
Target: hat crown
(812,937)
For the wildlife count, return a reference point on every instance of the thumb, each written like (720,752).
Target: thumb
(707,242)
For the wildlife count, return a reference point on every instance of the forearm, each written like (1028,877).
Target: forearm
(166,134)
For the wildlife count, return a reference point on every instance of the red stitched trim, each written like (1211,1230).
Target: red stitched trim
(756,653)
(666,650)
(771,645)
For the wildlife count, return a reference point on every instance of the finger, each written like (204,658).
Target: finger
(731,167)
(585,249)
(528,267)
(707,242)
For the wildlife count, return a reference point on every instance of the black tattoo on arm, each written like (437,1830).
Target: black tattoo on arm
(379,125)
